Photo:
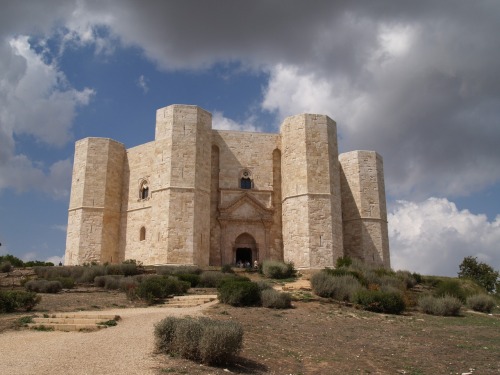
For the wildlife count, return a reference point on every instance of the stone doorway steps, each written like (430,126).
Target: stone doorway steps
(72,322)
(190,301)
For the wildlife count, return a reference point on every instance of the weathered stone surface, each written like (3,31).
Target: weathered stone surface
(200,196)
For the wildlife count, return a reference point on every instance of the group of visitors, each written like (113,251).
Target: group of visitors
(247,264)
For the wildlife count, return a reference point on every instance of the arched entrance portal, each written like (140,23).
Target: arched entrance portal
(245,249)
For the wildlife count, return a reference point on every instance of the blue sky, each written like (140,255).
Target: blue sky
(419,83)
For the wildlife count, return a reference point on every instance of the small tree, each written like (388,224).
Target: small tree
(480,272)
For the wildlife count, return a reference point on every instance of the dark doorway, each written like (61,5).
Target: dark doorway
(243,255)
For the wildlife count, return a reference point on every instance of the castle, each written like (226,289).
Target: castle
(209,197)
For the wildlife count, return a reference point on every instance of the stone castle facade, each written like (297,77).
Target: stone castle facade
(200,196)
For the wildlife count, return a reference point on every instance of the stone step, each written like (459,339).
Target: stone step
(72,322)
(190,301)
(68,320)
(102,317)
(67,327)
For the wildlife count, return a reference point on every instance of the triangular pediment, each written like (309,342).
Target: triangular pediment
(246,208)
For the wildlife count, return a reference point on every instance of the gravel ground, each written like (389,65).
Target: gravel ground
(127,348)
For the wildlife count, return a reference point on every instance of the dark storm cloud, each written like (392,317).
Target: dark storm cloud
(428,103)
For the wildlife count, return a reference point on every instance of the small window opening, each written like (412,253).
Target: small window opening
(246,180)
(144,191)
(246,183)
(142,235)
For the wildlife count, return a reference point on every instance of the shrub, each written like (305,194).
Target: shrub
(129,286)
(43,286)
(418,277)
(450,288)
(66,282)
(154,289)
(407,278)
(14,261)
(212,279)
(480,272)
(203,339)
(227,268)
(11,300)
(481,302)
(90,273)
(443,306)
(126,269)
(278,270)
(343,262)
(5,266)
(175,270)
(108,281)
(342,288)
(191,278)
(239,293)
(379,301)
(263,285)
(276,300)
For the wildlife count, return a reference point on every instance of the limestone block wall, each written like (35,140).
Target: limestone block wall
(364,207)
(311,210)
(136,212)
(251,152)
(94,211)
(180,216)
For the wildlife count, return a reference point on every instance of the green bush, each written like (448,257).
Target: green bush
(450,288)
(227,268)
(481,302)
(5,267)
(125,269)
(276,300)
(191,278)
(443,306)
(155,288)
(343,262)
(66,282)
(481,273)
(176,270)
(239,293)
(342,288)
(263,285)
(203,339)
(212,279)
(43,286)
(379,301)
(90,273)
(418,277)
(14,261)
(407,278)
(11,300)
(112,282)
(278,270)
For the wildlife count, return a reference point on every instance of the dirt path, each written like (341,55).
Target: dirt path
(124,349)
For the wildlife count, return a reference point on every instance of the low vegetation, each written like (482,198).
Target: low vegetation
(443,306)
(278,270)
(12,300)
(206,340)
(43,286)
(481,303)
(275,300)
(239,293)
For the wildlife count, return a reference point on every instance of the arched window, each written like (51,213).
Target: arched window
(246,180)
(144,190)
(142,234)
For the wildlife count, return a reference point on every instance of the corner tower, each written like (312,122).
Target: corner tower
(181,186)
(364,207)
(310,175)
(94,208)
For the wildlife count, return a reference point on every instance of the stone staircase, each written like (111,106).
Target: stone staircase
(73,322)
(190,301)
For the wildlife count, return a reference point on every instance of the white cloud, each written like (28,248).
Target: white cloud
(223,123)
(432,237)
(36,100)
(55,259)
(60,227)
(142,83)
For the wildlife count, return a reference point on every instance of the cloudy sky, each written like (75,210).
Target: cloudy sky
(419,82)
